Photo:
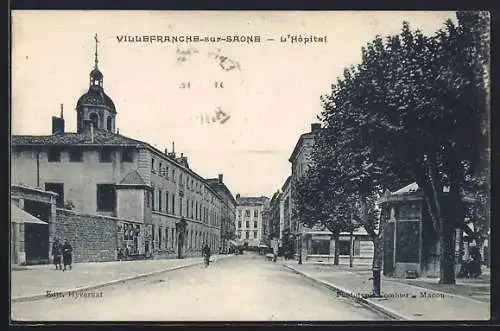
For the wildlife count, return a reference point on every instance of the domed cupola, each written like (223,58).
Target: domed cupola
(95,105)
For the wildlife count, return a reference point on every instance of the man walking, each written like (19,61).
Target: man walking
(206,254)
(57,254)
(67,254)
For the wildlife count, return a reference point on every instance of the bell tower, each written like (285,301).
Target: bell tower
(95,105)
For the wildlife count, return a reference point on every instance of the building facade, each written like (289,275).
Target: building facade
(274,217)
(250,219)
(162,207)
(228,212)
(316,243)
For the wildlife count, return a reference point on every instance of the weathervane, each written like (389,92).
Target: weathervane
(96,42)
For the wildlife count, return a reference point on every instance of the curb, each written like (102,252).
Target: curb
(367,303)
(37,297)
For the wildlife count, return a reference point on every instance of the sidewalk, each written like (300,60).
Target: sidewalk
(32,282)
(404,299)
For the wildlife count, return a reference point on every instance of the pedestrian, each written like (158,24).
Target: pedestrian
(67,255)
(206,254)
(57,254)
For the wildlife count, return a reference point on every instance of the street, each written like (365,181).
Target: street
(241,288)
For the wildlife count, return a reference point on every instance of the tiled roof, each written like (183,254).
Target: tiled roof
(413,187)
(133,178)
(101,137)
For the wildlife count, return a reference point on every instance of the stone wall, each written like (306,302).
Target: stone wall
(94,238)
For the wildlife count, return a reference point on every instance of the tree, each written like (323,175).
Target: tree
(415,106)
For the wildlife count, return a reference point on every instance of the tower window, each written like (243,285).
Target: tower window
(109,124)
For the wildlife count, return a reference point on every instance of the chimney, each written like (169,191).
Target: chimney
(237,196)
(58,123)
(315,127)
(166,151)
(221,178)
(182,154)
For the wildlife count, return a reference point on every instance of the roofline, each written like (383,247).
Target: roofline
(298,144)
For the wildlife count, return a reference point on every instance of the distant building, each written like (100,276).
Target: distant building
(228,216)
(274,216)
(286,236)
(250,219)
(159,204)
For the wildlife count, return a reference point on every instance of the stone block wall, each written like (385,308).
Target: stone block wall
(94,238)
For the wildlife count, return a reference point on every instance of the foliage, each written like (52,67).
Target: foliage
(414,109)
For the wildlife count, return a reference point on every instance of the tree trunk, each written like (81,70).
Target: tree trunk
(447,252)
(351,250)
(336,250)
(378,252)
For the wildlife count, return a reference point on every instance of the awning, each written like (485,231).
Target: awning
(234,243)
(17,215)
(263,246)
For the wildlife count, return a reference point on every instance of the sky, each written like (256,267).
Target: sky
(268,100)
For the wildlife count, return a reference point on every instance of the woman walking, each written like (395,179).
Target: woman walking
(67,255)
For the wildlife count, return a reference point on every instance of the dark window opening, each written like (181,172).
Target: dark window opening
(75,155)
(247,224)
(109,124)
(54,155)
(106,197)
(105,155)
(254,224)
(59,189)
(128,155)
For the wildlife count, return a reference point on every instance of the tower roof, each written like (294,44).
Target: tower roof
(96,96)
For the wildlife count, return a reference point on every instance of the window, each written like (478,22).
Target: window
(166,172)
(59,189)
(127,155)
(54,155)
(109,124)
(255,234)
(247,224)
(173,176)
(192,209)
(166,237)
(94,119)
(106,197)
(159,201)
(75,155)
(166,202)
(239,213)
(105,155)
(159,237)
(239,233)
(247,213)
(153,165)
(173,203)
(256,213)
(160,169)
(173,238)
(187,207)
(180,206)
(320,247)
(255,224)
(247,234)
(148,199)
(153,198)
